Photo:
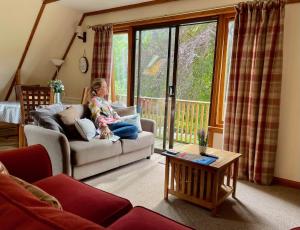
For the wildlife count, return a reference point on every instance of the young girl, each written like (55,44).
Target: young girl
(106,119)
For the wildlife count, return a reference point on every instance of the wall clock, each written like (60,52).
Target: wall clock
(83,64)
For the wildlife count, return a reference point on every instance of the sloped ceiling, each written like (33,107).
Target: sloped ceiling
(51,39)
(17,19)
(55,29)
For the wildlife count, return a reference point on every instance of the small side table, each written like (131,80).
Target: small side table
(204,185)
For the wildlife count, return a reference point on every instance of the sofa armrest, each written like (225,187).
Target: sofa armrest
(148,125)
(30,164)
(55,143)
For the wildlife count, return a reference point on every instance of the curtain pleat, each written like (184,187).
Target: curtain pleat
(253,101)
(102,53)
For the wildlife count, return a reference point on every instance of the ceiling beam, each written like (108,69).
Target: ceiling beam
(49,1)
(128,7)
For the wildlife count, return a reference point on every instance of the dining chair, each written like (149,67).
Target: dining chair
(86,95)
(31,97)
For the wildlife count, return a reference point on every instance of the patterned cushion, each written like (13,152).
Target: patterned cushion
(37,192)
(21,210)
(3,170)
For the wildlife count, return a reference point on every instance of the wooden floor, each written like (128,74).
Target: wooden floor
(8,136)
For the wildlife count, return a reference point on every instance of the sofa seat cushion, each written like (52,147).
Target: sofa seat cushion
(83,152)
(145,219)
(144,140)
(21,210)
(93,204)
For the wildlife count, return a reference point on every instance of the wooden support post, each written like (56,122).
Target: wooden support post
(167,178)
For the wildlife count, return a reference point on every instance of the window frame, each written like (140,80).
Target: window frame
(223,16)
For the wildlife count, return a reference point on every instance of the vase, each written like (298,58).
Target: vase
(57,98)
(202,149)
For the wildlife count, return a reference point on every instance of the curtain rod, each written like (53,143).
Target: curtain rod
(179,14)
(164,16)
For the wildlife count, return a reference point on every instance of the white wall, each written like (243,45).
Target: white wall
(288,154)
(51,38)
(17,19)
(288,157)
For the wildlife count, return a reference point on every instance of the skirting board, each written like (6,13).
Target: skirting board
(286,182)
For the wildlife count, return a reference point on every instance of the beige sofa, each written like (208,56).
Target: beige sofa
(81,159)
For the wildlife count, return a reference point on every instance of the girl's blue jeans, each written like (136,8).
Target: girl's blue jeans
(124,130)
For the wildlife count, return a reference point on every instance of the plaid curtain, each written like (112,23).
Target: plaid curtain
(252,113)
(102,52)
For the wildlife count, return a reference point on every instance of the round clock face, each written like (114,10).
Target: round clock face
(83,64)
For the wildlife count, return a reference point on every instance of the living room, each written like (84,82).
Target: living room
(155,54)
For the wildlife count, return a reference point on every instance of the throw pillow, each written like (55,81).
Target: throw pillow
(86,128)
(134,120)
(118,105)
(126,111)
(68,118)
(37,192)
(46,116)
(3,170)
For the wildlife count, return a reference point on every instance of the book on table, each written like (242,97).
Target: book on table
(199,159)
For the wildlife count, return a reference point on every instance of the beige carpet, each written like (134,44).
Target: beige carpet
(257,207)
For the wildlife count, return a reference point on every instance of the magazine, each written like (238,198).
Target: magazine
(203,160)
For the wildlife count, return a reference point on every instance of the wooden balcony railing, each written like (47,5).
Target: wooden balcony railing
(190,116)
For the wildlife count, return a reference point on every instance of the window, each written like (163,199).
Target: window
(153,66)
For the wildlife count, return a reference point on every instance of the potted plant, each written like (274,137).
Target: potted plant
(57,87)
(203,140)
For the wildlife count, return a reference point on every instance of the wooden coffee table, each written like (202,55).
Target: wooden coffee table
(205,185)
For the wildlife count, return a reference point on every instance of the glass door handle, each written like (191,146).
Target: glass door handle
(171,91)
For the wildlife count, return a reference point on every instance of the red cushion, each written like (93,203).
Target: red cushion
(30,164)
(21,210)
(145,219)
(88,202)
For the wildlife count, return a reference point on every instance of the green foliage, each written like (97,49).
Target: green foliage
(120,62)
(57,86)
(195,61)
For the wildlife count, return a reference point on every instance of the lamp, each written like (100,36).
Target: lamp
(57,62)
(80,33)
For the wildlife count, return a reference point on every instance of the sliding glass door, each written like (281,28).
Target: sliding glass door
(173,79)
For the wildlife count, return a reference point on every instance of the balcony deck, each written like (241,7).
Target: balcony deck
(159,143)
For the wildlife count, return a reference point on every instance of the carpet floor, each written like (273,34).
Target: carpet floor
(256,207)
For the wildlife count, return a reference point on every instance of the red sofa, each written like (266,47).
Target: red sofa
(84,207)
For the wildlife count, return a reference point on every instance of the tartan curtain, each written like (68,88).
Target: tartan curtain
(252,113)
(102,52)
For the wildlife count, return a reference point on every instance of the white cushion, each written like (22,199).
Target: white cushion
(86,128)
(134,119)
